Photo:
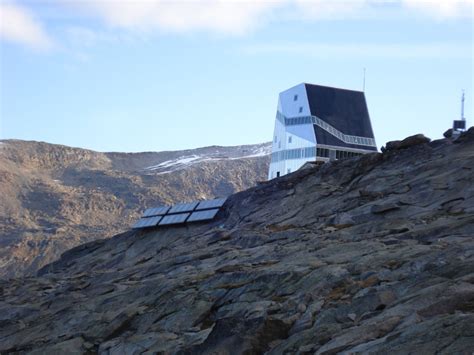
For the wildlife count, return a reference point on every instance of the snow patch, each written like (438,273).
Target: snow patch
(260,152)
(170,163)
(186,161)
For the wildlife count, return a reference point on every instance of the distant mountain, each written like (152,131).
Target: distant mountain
(367,255)
(55,197)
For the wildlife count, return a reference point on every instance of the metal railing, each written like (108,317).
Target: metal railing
(357,140)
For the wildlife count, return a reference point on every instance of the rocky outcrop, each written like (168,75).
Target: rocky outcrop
(373,254)
(406,143)
(55,197)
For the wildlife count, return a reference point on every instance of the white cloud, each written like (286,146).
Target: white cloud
(228,17)
(442,8)
(242,16)
(234,17)
(337,9)
(18,25)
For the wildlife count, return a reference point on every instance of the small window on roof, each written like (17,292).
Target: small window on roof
(301,109)
(289,139)
(295,98)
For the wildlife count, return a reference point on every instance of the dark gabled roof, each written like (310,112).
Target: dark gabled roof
(345,110)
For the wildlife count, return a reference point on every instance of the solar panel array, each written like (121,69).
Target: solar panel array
(197,211)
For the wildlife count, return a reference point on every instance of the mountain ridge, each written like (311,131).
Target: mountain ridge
(55,197)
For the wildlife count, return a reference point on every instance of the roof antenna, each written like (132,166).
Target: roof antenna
(363,85)
(460,125)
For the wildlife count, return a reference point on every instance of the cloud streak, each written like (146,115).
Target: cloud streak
(222,17)
(331,51)
(18,25)
(442,8)
(235,17)
(238,17)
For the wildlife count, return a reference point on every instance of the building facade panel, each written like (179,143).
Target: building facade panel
(291,103)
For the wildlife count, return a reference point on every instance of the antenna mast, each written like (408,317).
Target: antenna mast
(460,125)
(363,84)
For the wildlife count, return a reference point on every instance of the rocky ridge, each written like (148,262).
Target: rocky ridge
(55,197)
(373,254)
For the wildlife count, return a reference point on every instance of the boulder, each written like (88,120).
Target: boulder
(408,142)
(448,133)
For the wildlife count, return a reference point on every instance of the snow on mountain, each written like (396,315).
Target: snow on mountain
(216,154)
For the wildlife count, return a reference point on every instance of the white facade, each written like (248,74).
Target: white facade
(291,103)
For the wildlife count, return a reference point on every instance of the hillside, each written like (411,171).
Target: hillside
(56,197)
(373,254)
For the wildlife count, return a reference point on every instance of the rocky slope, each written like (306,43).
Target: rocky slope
(373,254)
(55,197)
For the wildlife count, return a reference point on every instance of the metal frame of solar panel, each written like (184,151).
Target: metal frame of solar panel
(216,203)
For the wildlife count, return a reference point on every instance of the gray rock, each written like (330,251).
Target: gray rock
(382,208)
(269,277)
(407,142)
(448,133)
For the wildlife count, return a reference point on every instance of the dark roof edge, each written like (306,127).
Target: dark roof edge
(333,87)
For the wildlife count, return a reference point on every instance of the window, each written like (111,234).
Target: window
(289,139)
(295,98)
(322,152)
(279,145)
(301,109)
(275,140)
(289,171)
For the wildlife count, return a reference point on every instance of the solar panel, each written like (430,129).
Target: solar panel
(147,222)
(203,215)
(459,124)
(183,207)
(205,205)
(156,211)
(174,219)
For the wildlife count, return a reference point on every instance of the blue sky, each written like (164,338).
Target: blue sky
(154,75)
